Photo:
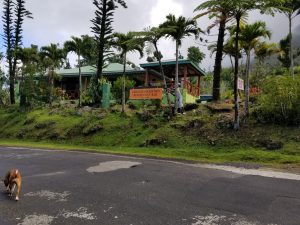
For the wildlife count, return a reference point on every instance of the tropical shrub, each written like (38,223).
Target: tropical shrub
(117,88)
(279,101)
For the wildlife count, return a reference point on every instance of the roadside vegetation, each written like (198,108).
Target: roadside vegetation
(205,134)
(259,124)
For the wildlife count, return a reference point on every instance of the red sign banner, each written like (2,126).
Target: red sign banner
(146,93)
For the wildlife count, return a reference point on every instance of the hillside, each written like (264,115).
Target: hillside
(200,135)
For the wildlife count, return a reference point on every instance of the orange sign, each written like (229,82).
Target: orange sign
(146,93)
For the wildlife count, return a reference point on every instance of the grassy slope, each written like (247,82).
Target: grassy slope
(205,141)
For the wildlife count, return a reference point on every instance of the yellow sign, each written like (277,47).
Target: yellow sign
(146,93)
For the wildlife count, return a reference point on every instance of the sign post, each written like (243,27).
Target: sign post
(241,84)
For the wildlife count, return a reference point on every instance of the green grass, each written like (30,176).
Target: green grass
(66,129)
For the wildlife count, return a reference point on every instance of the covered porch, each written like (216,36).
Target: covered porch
(189,75)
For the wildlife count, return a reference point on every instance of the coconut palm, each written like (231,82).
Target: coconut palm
(79,46)
(250,36)
(126,43)
(291,8)
(179,28)
(54,57)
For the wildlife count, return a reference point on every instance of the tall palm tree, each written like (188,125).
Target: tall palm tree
(217,9)
(54,57)
(291,8)
(126,43)
(238,8)
(250,36)
(79,46)
(180,28)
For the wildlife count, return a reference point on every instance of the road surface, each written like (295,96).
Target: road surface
(75,188)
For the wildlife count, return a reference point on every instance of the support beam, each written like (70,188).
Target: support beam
(185,74)
(199,85)
(147,78)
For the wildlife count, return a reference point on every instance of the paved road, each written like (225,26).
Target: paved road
(85,188)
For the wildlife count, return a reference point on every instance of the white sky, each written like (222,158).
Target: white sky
(56,20)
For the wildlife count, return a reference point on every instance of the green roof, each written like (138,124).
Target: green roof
(173,62)
(110,70)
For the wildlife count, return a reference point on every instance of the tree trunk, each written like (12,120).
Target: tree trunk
(124,85)
(176,77)
(218,61)
(80,79)
(236,72)
(101,42)
(247,82)
(22,90)
(291,46)
(51,84)
(164,77)
(11,85)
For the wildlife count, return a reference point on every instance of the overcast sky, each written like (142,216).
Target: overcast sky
(56,20)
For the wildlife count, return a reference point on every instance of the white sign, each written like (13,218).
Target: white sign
(241,84)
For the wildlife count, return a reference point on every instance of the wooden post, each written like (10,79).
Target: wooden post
(147,78)
(185,73)
(198,84)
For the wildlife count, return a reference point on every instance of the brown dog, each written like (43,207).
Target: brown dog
(12,180)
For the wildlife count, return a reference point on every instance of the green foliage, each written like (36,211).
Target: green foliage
(14,13)
(284,56)
(93,94)
(180,27)
(102,28)
(195,54)
(280,100)
(117,88)
(227,77)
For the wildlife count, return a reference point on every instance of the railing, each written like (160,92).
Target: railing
(191,89)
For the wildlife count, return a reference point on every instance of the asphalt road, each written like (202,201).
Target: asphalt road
(74,188)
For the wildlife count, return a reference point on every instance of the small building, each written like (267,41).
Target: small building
(147,76)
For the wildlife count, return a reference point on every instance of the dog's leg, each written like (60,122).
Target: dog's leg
(12,189)
(18,182)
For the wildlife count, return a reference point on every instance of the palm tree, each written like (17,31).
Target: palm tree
(30,59)
(219,10)
(264,50)
(238,8)
(54,57)
(291,8)
(250,37)
(126,43)
(79,46)
(179,28)
(152,36)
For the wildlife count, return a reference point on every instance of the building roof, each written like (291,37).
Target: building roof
(173,63)
(116,69)
(110,70)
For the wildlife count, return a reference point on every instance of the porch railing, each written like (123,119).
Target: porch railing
(191,89)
